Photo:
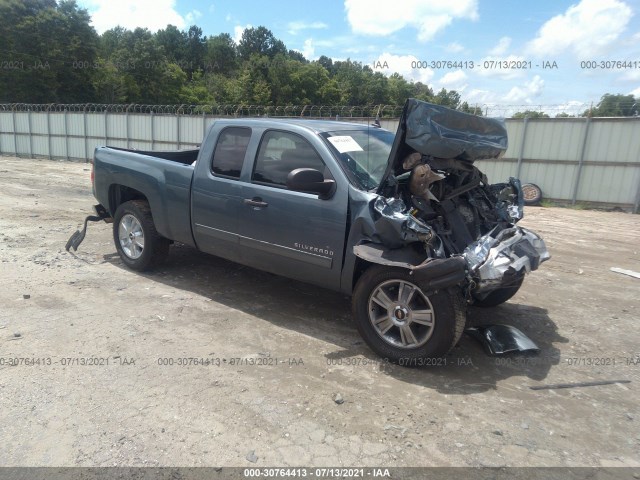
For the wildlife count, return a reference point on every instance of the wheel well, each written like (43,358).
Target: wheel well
(359,268)
(118,194)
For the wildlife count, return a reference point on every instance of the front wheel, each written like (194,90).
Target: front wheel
(139,244)
(400,322)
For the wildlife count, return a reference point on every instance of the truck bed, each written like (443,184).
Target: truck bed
(186,157)
(162,177)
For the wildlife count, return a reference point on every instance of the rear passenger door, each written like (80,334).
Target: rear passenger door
(216,195)
(291,233)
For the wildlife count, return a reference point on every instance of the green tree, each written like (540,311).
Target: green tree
(195,92)
(473,109)
(450,99)
(110,86)
(195,51)
(138,68)
(252,86)
(221,56)
(280,78)
(614,105)
(312,85)
(53,49)
(377,88)
(327,63)
(295,55)
(62,59)
(259,41)
(173,43)
(350,79)
(399,89)
(530,114)
(421,91)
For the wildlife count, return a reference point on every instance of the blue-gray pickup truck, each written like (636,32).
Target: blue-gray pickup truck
(405,223)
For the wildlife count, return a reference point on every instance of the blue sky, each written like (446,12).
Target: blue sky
(392,36)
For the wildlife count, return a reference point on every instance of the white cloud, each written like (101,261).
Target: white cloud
(192,16)
(588,28)
(404,65)
(308,50)
(381,17)
(501,47)
(151,14)
(635,93)
(454,47)
(498,104)
(479,96)
(238,30)
(455,80)
(295,27)
(572,107)
(526,92)
(631,76)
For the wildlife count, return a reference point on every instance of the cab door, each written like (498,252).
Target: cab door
(289,233)
(217,195)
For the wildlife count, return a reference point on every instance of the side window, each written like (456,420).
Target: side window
(281,152)
(228,155)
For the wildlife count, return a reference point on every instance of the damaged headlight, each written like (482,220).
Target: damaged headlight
(395,227)
(390,207)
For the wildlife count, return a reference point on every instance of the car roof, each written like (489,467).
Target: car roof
(317,126)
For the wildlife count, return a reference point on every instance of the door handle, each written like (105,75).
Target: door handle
(255,202)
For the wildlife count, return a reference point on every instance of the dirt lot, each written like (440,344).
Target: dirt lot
(298,349)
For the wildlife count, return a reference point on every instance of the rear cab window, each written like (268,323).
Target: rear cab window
(228,156)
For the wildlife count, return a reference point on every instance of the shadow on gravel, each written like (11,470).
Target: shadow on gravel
(326,315)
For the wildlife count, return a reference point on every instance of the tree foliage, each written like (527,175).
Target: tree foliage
(530,114)
(60,58)
(615,105)
(40,40)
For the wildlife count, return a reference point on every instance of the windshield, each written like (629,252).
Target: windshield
(362,154)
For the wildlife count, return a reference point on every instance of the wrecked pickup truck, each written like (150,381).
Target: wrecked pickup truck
(404,223)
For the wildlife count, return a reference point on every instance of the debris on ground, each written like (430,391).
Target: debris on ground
(631,273)
(578,384)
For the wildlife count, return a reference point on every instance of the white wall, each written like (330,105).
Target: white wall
(571,159)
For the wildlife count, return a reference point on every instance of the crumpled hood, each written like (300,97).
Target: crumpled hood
(441,132)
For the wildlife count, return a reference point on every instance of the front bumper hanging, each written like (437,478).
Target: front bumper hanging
(76,239)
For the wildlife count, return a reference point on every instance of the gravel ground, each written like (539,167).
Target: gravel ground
(111,369)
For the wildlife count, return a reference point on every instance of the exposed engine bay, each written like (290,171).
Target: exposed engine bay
(434,207)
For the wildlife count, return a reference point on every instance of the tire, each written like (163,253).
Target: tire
(141,246)
(380,286)
(500,295)
(532,194)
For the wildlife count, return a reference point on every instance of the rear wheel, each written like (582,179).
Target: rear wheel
(139,244)
(400,322)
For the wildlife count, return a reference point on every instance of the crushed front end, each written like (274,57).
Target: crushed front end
(433,204)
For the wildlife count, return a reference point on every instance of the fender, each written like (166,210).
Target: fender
(431,274)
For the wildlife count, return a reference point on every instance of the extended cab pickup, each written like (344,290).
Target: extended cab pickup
(408,227)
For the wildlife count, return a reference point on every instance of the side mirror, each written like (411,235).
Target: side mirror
(312,181)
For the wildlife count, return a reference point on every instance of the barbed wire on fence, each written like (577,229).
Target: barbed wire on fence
(573,109)
(237,110)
